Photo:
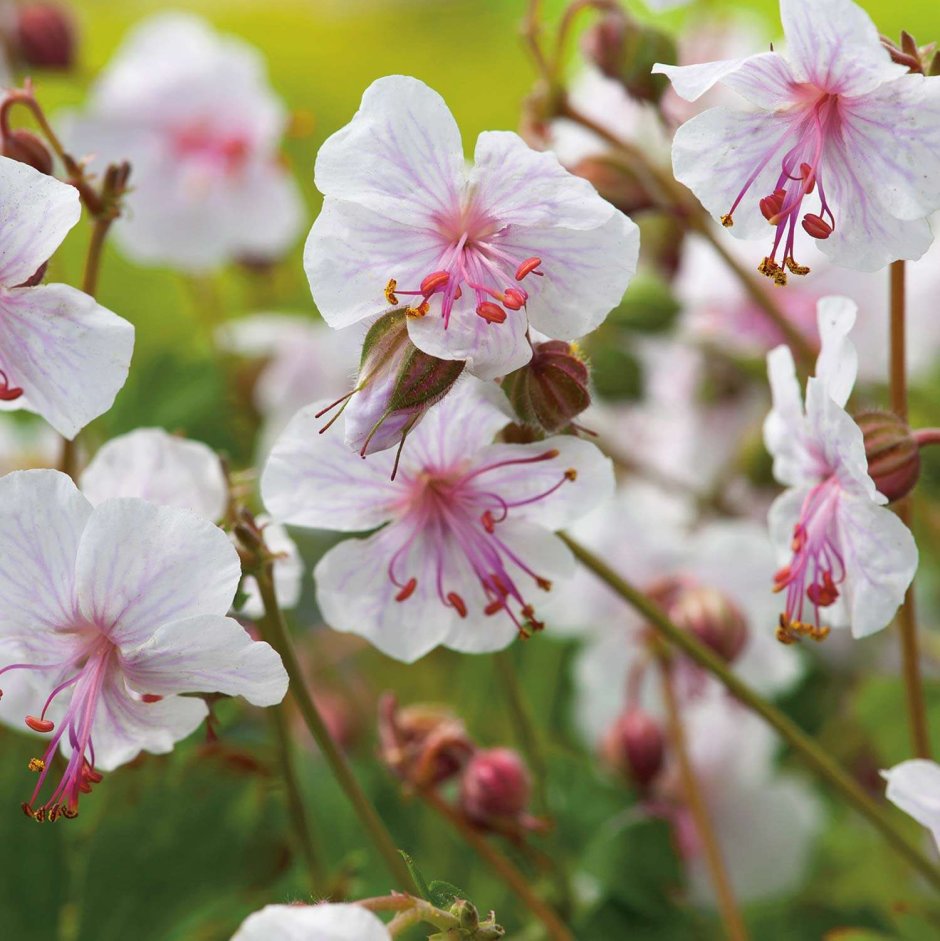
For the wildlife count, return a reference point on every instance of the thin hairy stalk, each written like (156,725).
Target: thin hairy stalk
(811,753)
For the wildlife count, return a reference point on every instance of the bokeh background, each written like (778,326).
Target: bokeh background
(181,848)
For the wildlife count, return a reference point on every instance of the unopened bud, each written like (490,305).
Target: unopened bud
(470,926)
(27,148)
(713,618)
(496,785)
(892,452)
(552,388)
(635,746)
(615,182)
(626,50)
(46,35)
(397,384)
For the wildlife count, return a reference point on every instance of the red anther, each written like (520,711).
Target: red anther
(90,774)
(809,178)
(8,393)
(150,697)
(571,474)
(408,590)
(825,594)
(513,298)
(781,578)
(487,520)
(799,538)
(528,267)
(458,603)
(543,583)
(434,282)
(494,607)
(771,205)
(816,226)
(458,293)
(40,725)
(499,584)
(490,312)
(84,787)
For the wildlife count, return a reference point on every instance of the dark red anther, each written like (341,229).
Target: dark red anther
(8,393)
(490,312)
(40,725)
(528,267)
(494,607)
(150,697)
(771,205)
(809,178)
(514,299)
(487,520)
(408,590)
(458,603)
(782,578)
(816,226)
(434,282)
(823,594)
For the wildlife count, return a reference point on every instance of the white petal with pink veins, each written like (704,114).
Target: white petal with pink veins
(914,786)
(323,922)
(69,354)
(837,364)
(784,428)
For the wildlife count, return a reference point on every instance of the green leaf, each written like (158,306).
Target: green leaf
(418,877)
(444,894)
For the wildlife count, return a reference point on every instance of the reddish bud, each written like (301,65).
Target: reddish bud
(495,785)
(46,35)
(635,746)
(27,148)
(892,452)
(713,618)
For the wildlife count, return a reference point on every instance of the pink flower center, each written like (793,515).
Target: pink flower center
(473,256)
(801,174)
(816,569)
(222,153)
(453,511)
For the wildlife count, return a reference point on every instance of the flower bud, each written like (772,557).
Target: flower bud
(496,785)
(397,384)
(27,148)
(635,747)
(892,452)
(614,182)
(552,388)
(470,926)
(46,36)
(626,50)
(713,618)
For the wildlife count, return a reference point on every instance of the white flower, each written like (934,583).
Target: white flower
(914,786)
(62,354)
(193,113)
(465,525)
(112,612)
(323,922)
(482,251)
(837,541)
(836,120)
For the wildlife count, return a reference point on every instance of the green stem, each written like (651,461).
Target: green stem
(812,754)
(275,631)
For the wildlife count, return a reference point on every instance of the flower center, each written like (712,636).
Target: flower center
(816,569)
(801,174)
(456,513)
(218,152)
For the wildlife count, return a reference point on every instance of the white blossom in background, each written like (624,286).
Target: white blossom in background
(914,786)
(323,922)
(62,355)
(479,252)
(466,524)
(194,114)
(109,613)
(27,445)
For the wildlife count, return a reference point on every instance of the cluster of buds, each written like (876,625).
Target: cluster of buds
(457,919)
(923,60)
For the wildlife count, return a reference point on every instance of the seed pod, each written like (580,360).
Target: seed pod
(892,452)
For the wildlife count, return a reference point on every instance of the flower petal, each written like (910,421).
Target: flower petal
(141,566)
(914,786)
(69,354)
(785,425)
(37,212)
(314,479)
(206,654)
(323,922)
(880,561)
(401,154)
(837,365)
(158,467)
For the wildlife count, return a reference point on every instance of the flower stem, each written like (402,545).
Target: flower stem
(275,631)
(907,617)
(926,436)
(295,803)
(500,864)
(812,754)
(727,905)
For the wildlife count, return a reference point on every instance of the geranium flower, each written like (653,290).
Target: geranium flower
(194,114)
(838,138)
(914,786)
(479,253)
(62,354)
(323,922)
(107,614)
(843,550)
(466,524)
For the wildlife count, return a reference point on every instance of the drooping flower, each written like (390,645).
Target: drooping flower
(914,786)
(837,138)
(62,354)
(466,524)
(842,549)
(323,922)
(479,253)
(194,114)
(107,614)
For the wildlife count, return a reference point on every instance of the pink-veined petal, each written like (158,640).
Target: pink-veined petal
(140,566)
(914,786)
(837,364)
(38,211)
(785,425)
(323,922)
(206,654)
(401,155)
(316,480)
(69,354)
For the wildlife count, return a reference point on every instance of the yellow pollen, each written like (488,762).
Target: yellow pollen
(390,295)
(571,474)
(418,311)
(36,765)
(727,221)
(791,632)
(544,584)
(795,268)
